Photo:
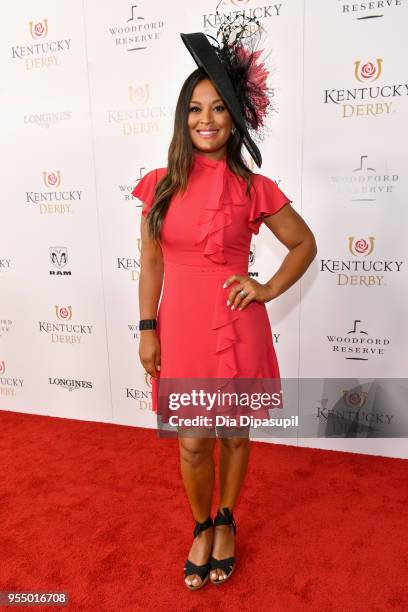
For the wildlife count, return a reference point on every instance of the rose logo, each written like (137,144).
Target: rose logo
(354,398)
(139,94)
(39,29)
(2,367)
(361,246)
(63,312)
(367,71)
(52,179)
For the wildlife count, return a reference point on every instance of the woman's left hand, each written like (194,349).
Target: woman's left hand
(254,292)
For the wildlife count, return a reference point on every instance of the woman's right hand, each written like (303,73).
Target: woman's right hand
(149,351)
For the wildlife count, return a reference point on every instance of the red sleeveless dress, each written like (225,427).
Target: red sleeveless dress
(206,237)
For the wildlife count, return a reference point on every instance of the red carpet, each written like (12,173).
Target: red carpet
(98,510)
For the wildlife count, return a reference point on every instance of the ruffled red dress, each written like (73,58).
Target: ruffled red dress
(206,237)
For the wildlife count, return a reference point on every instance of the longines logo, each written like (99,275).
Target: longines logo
(70,384)
(47,120)
(42,53)
(53,200)
(367,272)
(368,10)
(59,259)
(137,32)
(5,326)
(9,385)
(367,100)
(357,344)
(5,264)
(64,333)
(364,183)
(213,20)
(145,118)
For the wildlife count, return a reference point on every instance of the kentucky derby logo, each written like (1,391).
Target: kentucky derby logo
(2,367)
(367,72)
(39,29)
(139,94)
(367,98)
(63,312)
(59,256)
(360,246)
(355,399)
(52,179)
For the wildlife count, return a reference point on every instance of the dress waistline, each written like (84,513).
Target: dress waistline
(212,270)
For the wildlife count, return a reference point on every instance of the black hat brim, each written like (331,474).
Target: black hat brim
(206,58)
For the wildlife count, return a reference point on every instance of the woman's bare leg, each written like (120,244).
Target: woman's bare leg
(197,470)
(233,463)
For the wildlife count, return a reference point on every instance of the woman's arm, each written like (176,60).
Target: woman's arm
(290,229)
(150,286)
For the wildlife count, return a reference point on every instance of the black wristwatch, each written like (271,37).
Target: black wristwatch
(147,324)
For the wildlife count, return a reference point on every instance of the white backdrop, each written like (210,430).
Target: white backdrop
(88,91)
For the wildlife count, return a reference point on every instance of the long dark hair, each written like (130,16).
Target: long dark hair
(181,155)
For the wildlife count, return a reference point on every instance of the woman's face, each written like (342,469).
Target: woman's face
(209,120)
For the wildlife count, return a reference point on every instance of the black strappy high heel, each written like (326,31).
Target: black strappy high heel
(227,565)
(201,570)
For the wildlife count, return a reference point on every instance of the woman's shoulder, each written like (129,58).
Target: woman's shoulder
(145,187)
(155,174)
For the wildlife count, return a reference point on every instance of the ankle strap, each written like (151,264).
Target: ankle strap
(225,519)
(202,526)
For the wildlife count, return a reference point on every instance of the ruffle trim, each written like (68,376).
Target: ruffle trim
(267,199)
(223,323)
(217,214)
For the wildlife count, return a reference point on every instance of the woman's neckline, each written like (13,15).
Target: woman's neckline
(208,161)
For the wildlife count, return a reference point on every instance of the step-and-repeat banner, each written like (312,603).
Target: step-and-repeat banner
(88,93)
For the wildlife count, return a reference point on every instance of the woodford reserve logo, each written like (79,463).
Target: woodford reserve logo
(360,271)
(137,32)
(365,183)
(42,53)
(375,9)
(366,101)
(54,200)
(62,332)
(357,344)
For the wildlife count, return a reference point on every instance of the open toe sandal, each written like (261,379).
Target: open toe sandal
(227,565)
(191,568)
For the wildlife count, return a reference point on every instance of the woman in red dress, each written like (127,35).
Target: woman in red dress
(199,215)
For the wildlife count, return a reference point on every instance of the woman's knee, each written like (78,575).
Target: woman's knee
(196,451)
(235,443)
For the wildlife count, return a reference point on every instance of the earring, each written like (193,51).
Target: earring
(233,130)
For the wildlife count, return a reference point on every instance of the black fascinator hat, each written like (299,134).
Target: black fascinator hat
(232,65)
